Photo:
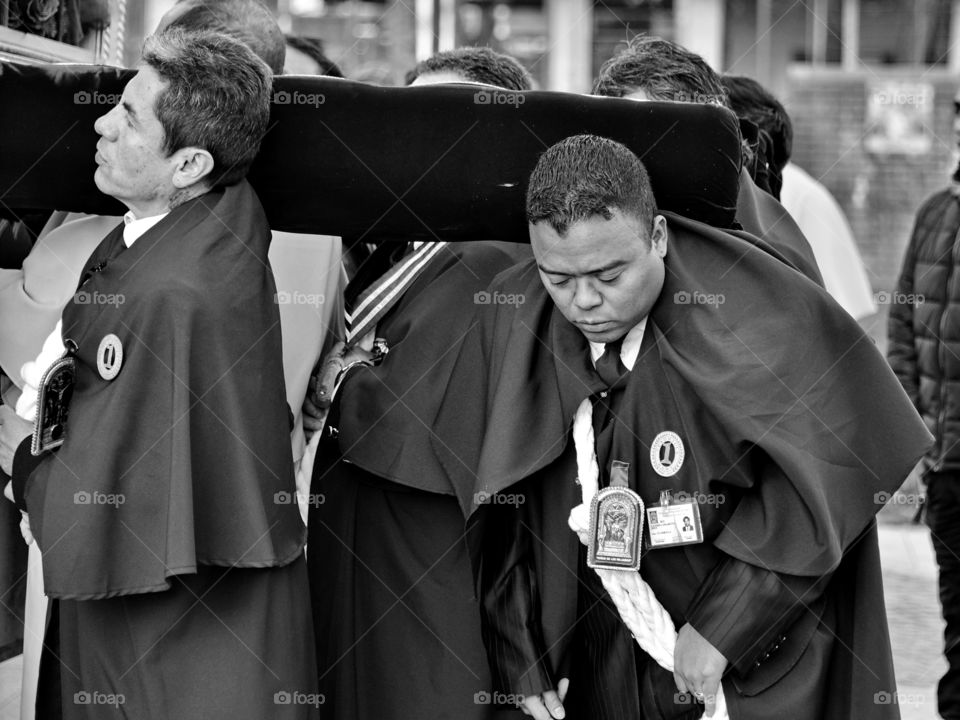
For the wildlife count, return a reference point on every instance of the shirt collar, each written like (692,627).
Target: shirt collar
(628,351)
(133,227)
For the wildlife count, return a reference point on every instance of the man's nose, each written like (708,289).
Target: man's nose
(104,124)
(586,296)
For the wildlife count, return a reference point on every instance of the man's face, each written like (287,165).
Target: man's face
(132,166)
(639,94)
(603,275)
(439,77)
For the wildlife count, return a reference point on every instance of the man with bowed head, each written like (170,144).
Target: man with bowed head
(775,591)
(167,594)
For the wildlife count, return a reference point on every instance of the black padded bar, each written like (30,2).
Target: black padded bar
(345,158)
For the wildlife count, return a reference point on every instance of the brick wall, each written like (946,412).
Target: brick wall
(879,193)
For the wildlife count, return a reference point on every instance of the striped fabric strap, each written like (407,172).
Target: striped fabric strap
(376,301)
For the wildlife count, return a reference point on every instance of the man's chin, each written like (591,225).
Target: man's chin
(100,181)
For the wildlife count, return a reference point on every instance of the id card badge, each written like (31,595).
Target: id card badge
(674,523)
(53,405)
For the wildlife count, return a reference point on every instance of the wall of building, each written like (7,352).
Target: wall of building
(786,40)
(880,193)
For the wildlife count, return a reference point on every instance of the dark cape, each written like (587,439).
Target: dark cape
(396,619)
(166,520)
(762,216)
(192,431)
(792,415)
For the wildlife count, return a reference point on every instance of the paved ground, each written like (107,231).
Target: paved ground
(912,610)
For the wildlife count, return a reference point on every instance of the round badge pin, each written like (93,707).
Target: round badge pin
(109,357)
(667,453)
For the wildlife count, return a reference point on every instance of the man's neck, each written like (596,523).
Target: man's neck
(141,212)
(181,196)
(160,206)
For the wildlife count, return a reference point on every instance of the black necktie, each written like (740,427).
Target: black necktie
(609,367)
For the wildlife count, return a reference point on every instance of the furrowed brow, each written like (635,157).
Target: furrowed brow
(607,268)
(596,271)
(548,271)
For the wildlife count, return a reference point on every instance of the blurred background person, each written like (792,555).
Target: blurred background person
(924,332)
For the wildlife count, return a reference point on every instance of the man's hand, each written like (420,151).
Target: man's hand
(698,667)
(313,416)
(13,429)
(322,381)
(548,705)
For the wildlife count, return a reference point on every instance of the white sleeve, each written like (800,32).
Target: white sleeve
(32,371)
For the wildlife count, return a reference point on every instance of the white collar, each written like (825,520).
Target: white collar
(134,227)
(628,351)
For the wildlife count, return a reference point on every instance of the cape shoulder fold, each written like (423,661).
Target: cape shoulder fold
(183,459)
(387,412)
(778,363)
(762,216)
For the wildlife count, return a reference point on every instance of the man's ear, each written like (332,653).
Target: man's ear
(192,165)
(658,238)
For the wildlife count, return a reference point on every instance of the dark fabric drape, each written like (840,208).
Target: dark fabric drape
(345,158)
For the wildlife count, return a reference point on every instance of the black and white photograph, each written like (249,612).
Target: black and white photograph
(479,359)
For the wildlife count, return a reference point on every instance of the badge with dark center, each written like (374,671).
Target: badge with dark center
(667,453)
(109,357)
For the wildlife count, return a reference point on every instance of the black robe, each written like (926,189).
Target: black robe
(165,520)
(762,216)
(787,411)
(397,622)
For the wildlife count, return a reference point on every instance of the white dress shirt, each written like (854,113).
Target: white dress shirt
(628,351)
(134,227)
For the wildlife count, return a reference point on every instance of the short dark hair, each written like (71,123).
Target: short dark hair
(313,48)
(663,70)
(587,175)
(217,98)
(477,64)
(750,100)
(248,21)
